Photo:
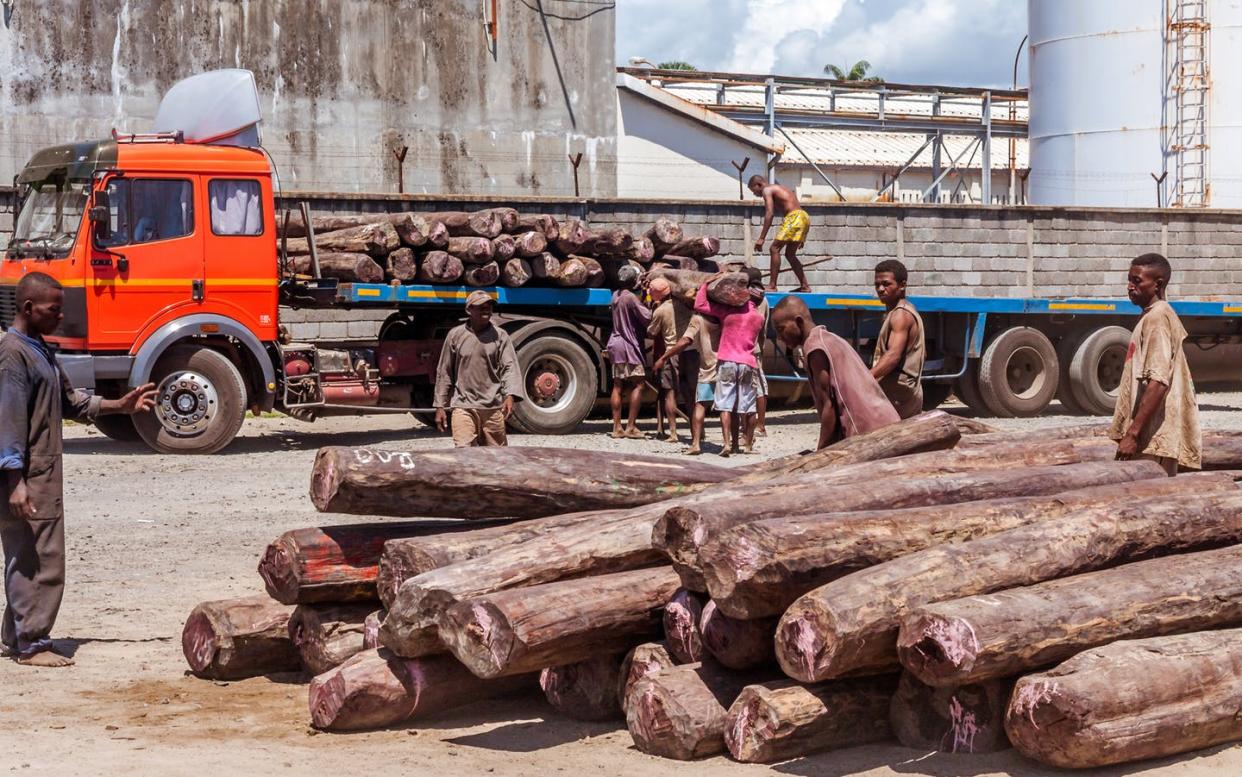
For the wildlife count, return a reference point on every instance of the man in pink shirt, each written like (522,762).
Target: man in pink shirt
(735,365)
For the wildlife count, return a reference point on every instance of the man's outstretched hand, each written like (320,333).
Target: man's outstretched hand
(140,400)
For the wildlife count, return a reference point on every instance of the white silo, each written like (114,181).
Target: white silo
(1122,90)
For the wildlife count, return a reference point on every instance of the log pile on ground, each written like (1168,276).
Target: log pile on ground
(905,588)
(494,246)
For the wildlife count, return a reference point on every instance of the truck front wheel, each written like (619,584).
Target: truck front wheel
(560,382)
(200,402)
(118,427)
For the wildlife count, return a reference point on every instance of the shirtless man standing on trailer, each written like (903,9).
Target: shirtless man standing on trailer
(793,230)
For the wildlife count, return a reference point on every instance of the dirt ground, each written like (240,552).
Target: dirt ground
(150,536)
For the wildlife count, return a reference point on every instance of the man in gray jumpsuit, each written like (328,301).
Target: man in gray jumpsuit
(34,397)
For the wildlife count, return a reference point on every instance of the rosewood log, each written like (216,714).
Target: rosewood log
(545,267)
(850,626)
(664,234)
(376,238)
(504,247)
(470,250)
(323,564)
(759,568)
(613,242)
(573,273)
(781,720)
(1009,632)
(974,426)
(375,689)
(351,268)
(326,635)
(233,639)
(728,289)
(525,482)
(530,244)
(571,237)
(595,277)
(683,263)
(681,626)
(484,223)
(401,265)
(508,218)
(734,643)
(482,274)
(413,229)
(544,224)
(1131,700)
(440,267)
(965,719)
(586,690)
(641,252)
(697,247)
(643,661)
(518,631)
(516,272)
(1073,432)
(680,712)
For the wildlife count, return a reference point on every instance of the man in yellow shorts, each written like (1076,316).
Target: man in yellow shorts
(793,230)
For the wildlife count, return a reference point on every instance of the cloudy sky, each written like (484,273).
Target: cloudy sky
(950,42)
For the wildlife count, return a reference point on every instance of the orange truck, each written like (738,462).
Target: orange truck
(167,247)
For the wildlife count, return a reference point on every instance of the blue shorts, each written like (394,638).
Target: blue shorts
(704,392)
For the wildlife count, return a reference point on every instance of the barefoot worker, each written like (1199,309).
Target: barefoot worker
(849,401)
(478,378)
(735,365)
(793,231)
(668,325)
(898,360)
(630,320)
(34,397)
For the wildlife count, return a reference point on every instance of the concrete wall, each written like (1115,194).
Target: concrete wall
(343,84)
(861,183)
(661,154)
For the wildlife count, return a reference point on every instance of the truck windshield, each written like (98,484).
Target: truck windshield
(50,217)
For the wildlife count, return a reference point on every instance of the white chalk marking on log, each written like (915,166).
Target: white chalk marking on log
(963,726)
(649,465)
(1031,695)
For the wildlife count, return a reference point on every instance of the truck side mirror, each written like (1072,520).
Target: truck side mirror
(100,216)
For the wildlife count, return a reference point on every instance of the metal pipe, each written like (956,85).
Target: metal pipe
(986,163)
(952,166)
(904,168)
(1013,116)
(310,239)
(811,162)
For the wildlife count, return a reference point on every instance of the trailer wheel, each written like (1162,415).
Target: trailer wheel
(560,383)
(1095,371)
(1018,373)
(934,394)
(1066,349)
(200,402)
(118,427)
(967,389)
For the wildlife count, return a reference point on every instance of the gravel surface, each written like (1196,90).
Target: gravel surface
(149,536)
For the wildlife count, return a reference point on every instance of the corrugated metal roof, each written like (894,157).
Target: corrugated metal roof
(852,148)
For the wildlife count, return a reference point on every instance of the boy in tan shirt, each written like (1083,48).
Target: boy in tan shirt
(1156,417)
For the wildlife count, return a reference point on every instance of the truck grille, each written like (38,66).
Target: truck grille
(8,305)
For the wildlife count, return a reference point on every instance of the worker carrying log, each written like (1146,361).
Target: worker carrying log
(736,384)
(899,350)
(669,321)
(34,397)
(630,320)
(848,399)
(478,377)
(703,334)
(792,233)
(1156,416)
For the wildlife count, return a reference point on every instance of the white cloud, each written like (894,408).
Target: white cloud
(769,24)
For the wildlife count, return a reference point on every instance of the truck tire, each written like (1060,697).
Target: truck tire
(200,404)
(967,389)
(1095,371)
(561,384)
(935,393)
(1018,373)
(118,427)
(1065,389)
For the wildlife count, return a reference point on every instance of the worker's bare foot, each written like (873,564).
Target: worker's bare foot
(803,290)
(673,438)
(634,434)
(693,450)
(46,659)
(771,287)
(762,432)
(617,434)
(724,453)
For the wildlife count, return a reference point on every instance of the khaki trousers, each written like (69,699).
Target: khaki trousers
(1168,462)
(473,428)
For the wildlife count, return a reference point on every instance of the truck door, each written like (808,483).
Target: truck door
(151,267)
(240,252)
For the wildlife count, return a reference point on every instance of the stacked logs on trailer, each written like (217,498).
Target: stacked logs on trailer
(920,584)
(490,247)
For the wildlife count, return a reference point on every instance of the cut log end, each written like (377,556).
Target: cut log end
(801,648)
(586,690)
(643,661)
(681,626)
(325,478)
(479,635)
(736,644)
(936,649)
(749,728)
(278,568)
(200,643)
(966,719)
(326,700)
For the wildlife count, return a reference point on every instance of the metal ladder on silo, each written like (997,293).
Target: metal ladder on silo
(1190,83)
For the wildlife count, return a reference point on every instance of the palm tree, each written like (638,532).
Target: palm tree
(856,73)
(676,64)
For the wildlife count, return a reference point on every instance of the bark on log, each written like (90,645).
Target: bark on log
(681,626)
(641,252)
(350,268)
(371,629)
(401,265)
(459,224)
(530,244)
(973,426)
(758,569)
(413,229)
(573,274)
(440,267)
(680,712)
(730,289)
(504,248)
(545,267)
(595,277)
(697,247)
(482,274)
(526,482)
(684,263)
(850,626)
(614,243)
(513,632)
(1009,632)
(405,558)
(737,644)
(664,234)
(336,563)
(1130,701)
(516,272)
(233,639)
(326,635)
(910,481)
(966,719)
(1074,432)
(571,237)
(781,720)
(470,250)
(586,690)
(643,661)
(508,218)
(375,238)
(375,689)
(544,224)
